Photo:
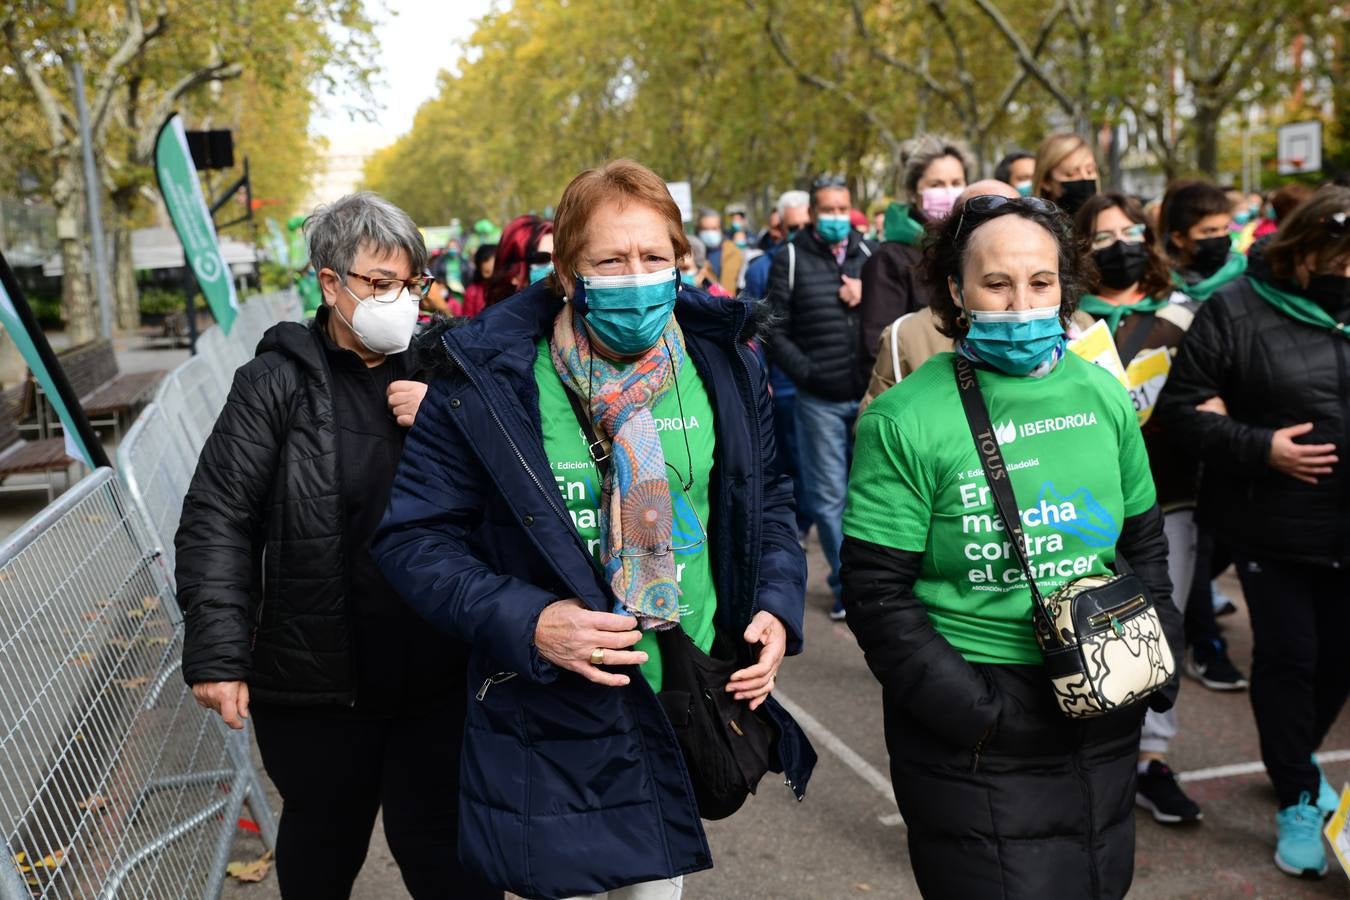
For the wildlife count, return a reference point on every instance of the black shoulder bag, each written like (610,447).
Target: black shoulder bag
(1100,635)
(726,746)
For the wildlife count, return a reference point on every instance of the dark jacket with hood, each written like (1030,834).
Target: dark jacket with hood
(1272,371)
(892,282)
(570,787)
(265,567)
(818,341)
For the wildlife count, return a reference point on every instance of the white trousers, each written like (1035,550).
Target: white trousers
(664,889)
(1179,526)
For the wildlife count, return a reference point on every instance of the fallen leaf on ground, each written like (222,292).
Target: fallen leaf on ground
(251,871)
(131,684)
(864,888)
(149,603)
(82,659)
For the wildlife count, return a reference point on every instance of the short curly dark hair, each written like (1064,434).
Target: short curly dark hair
(946,243)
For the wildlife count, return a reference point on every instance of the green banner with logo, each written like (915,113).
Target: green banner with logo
(81,442)
(182,192)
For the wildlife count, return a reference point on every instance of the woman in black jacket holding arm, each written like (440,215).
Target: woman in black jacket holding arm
(1003,795)
(1275,347)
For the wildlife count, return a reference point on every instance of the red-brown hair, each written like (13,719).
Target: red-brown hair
(621,180)
(519,239)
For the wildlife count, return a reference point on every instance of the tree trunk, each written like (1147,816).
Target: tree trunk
(1205,123)
(124,270)
(77,306)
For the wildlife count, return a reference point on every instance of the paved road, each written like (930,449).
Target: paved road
(841,843)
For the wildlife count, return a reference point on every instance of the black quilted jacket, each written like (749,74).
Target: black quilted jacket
(260,548)
(818,342)
(1272,372)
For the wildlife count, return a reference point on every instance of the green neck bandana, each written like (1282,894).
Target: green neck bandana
(1203,289)
(1114,312)
(901,226)
(1298,307)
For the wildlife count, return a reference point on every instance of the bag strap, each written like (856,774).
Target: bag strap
(1142,328)
(792,267)
(1000,485)
(596,448)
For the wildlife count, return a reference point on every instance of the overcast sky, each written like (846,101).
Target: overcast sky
(416,42)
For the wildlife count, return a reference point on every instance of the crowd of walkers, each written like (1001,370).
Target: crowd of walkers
(511,550)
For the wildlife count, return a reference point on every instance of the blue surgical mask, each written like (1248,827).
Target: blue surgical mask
(628,313)
(711,238)
(833,229)
(689,279)
(540,271)
(1015,341)
(1023,188)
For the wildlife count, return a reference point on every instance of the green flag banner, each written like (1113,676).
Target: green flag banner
(192,220)
(18,321)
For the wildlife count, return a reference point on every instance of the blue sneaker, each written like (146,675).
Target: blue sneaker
(1327,799)
(1299,851)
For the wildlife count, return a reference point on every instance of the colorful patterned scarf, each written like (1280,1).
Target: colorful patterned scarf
(635,506)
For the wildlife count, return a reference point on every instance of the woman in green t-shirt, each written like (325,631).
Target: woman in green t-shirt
(1003,795)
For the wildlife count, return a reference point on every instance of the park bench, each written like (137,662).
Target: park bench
(20,457)
(104,392)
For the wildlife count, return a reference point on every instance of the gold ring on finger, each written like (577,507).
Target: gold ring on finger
(598,656)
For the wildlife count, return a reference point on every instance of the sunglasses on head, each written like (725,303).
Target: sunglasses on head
(1337,223)
(983,205)
(539,258)
(829,181)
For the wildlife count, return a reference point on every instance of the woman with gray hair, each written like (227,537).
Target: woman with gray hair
(936,171)
(289,624)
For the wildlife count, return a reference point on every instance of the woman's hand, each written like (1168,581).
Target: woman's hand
(1302,461)
(229,698)
(1214,405)
(568,633)
(405,398)
(757,682)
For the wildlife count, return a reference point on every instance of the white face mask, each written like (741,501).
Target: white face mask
(385,325)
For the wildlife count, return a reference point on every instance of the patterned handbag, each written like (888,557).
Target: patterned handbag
(1100,635)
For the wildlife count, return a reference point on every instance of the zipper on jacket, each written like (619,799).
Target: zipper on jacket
(1113,616)
(493,679)
(520,457)
(977,751)
(753,405)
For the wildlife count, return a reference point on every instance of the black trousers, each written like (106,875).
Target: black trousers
(1300,678)
(335,772)
(1211,558)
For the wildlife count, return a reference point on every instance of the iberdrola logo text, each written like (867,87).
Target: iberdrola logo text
(1008,431)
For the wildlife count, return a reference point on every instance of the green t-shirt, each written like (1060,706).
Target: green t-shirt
(578,479)
(1072,444)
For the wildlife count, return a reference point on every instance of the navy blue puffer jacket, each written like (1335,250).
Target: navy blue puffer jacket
(569,787)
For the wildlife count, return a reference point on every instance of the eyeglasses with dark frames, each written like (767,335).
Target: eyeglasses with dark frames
(418,286)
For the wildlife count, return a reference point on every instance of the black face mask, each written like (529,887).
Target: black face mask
(1073,194)
(1210,255)
(1331,292)
(1121,264)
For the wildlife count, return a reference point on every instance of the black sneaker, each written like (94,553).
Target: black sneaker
(1158,792)
(1211,667)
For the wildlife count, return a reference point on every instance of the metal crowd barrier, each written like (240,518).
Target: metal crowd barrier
(156,464)
(113,782)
